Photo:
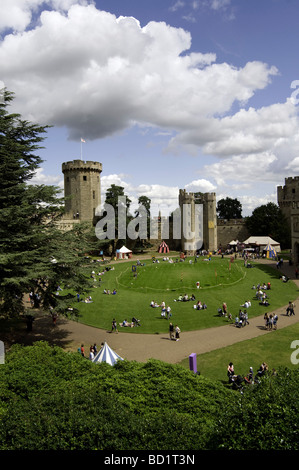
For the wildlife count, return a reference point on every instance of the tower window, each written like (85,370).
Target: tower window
(93,194)
(84,178)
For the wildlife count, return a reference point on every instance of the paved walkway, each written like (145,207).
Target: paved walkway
(141,347)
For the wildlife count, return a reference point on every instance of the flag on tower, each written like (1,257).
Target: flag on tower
(82,140)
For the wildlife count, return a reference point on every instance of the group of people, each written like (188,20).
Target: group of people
(87,300)
(242,319)
(290,309)
(131,324)
(35,299)
(107,291)
(165,310)
(271,321)
(261,295)
(199,305)
(237,380)
(174,332)
(184,298)
(92,351)
(98,277)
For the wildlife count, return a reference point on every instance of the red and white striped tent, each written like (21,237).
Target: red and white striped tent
(163,248)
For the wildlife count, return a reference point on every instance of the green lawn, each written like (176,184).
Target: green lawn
(220,281)
(274,348)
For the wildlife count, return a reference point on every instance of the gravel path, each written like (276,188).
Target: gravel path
(141,347)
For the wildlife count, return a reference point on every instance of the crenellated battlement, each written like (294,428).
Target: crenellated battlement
(80,165)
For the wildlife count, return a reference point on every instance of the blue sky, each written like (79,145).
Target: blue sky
(167,95)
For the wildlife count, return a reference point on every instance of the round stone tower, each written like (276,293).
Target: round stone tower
(82,189)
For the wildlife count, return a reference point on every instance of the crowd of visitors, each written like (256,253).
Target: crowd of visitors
(238,380)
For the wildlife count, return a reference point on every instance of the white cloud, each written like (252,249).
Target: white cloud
(41,178)
(219,4)
(18,14)
(177,5)
(243,168)
(200,185)
(98,74)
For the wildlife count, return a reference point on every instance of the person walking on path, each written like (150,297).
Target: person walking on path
(171,331)
(290,309)
(177,333)
(114,326)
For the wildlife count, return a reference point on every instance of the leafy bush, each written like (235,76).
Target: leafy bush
(53,400)
(265,417)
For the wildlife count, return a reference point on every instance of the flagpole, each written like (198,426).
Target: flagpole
(82,140)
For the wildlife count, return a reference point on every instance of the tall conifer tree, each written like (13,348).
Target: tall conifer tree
(34,255)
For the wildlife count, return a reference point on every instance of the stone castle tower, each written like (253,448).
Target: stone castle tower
(82,189)
(288,201)
(288,196)
(198,216)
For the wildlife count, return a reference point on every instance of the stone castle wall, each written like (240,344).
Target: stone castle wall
(228,230)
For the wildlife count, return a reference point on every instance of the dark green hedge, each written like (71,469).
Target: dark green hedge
(53,400)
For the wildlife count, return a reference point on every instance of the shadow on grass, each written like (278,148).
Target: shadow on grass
(15,331)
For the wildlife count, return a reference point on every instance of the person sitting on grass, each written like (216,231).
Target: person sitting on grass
(265,303)
(179,299)
(135,322)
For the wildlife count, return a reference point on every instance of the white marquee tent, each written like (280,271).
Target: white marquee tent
(262,243)
(106,354)
(123,253)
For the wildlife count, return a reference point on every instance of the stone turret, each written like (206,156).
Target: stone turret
(82,189)
(288,196)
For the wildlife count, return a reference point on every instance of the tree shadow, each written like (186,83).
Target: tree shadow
(43,329)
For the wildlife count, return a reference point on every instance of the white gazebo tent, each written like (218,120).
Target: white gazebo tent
(106,354)
(234,242)
(123,253)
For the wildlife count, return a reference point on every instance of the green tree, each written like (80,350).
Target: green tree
(268,220)
(34,254)
(229,208)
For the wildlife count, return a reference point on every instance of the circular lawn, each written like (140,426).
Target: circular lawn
(221,280)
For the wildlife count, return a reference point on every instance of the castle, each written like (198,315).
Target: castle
(82,190)
(288,201)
